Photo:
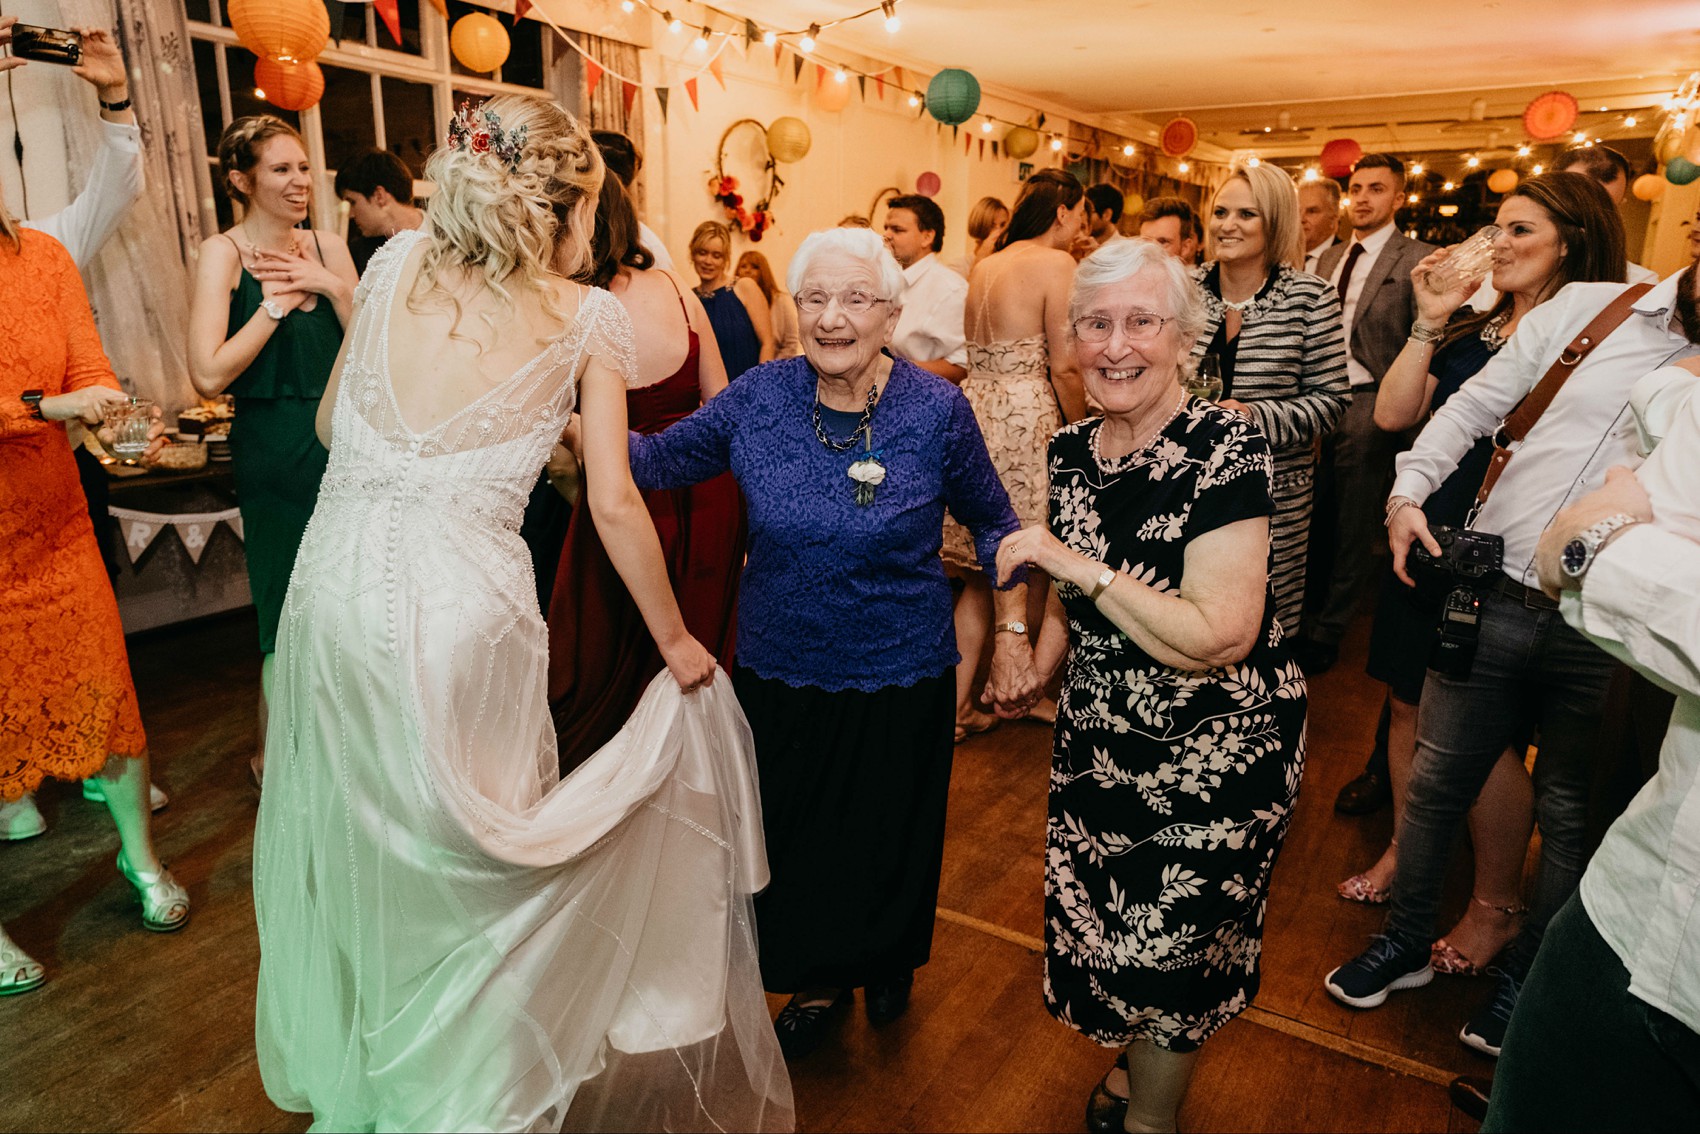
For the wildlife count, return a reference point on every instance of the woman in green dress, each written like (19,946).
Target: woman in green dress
(271,301)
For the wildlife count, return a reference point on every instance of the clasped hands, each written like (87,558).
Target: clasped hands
(1015,684)
(289,279)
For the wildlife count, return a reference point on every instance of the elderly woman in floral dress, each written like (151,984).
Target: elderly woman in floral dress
(1180,731)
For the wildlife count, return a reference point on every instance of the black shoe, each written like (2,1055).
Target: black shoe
(1486,1030)
(802,1028)
(1107,1113)
(886,1002)
(1365,795)
(1388,965)
(1470,1095)
(1315,657)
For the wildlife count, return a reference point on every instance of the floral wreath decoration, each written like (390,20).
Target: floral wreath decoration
(479,130)
(752,222)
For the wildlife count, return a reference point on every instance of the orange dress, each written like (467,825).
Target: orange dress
(66,699)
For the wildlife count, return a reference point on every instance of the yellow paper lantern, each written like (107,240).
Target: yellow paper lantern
(1667,145)
(1021,143)
(832,96)
(1132,205)
(1648,187)
(292,86)
(288,31)
(479,42)
(1502,180)
(788,139)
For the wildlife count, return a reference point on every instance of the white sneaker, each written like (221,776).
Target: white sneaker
(21,820)
(95,793)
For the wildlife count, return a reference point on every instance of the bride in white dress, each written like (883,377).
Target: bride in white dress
(450,938)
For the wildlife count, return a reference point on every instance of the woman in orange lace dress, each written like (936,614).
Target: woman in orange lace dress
(67,704)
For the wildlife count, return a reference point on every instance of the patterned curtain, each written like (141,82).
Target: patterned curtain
(606,109)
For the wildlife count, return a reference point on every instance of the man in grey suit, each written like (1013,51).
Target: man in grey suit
(1373,275)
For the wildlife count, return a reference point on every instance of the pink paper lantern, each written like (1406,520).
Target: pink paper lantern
(1339,156)
(928,184)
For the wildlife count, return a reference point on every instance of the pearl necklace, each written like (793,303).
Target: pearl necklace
(1118,463)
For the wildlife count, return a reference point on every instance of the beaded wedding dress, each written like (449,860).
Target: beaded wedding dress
(450,938)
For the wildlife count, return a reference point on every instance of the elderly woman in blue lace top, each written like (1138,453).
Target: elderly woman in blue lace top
(848,459)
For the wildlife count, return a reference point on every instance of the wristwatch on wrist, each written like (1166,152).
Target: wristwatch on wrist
(32,403)
(1016,627)
(1103,580)
(114,107)
(1578,555)
(273,308)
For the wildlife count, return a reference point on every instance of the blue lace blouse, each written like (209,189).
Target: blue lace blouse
(837,595)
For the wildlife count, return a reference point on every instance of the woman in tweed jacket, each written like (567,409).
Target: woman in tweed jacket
(1276,333)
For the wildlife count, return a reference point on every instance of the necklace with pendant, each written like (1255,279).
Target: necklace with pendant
(867,471)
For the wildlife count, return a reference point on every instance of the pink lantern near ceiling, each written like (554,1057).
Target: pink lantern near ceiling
(1339,156)
(1549,115)
(928,184)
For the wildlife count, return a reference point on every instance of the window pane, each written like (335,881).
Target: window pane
(411,40)
(243,101)
(348,22)
(198,10)
(525,58)
(346,115)
(410,125)
(206,83)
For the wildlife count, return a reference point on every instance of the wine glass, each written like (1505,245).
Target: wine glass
(1206,379)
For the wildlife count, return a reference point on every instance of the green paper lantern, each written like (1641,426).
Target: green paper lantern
(788,139)
(953,96)
(1681,171)
(1021,143)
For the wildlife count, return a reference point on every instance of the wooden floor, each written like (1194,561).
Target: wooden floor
(142,1032)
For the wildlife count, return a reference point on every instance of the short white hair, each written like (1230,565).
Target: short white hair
(1121,260)
(862,244)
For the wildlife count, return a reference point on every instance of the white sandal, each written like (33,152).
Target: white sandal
(95,792)
(19,972)
(165,903)
(20,819)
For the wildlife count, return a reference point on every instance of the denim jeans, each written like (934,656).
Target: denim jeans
(1530,668)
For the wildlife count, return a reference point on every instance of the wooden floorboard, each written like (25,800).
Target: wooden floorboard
(137,1031)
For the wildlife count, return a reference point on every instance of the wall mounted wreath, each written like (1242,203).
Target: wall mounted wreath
(753,222)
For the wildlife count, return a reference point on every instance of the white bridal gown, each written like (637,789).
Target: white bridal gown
(450,938)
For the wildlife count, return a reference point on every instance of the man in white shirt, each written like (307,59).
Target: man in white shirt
(930,330)
(1319,217)
(1530,669)
(1607,1030)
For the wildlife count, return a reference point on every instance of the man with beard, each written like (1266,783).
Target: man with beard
(1530,667)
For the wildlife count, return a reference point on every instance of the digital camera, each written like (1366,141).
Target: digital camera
(1464,554)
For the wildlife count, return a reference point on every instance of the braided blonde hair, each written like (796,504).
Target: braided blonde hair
(513,226)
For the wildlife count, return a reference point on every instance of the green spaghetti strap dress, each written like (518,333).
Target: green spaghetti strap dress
(276,456)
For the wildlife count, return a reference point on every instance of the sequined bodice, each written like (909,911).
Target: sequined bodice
(1025,357)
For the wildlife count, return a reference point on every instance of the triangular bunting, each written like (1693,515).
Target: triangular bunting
(691,89)
(662,94)
(1041,123)
(994,149)
(751,32)
(138,535)
(862,81)
(718,70)
(778,53)
(967,144)
(820,76)
(592,76)
(879,81)
(391,16)
(194,536)
(628,92)
(235,521)
(982,149)
(897,75)
(796,67)
(442,7)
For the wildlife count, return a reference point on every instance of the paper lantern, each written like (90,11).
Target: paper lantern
(1178,137)
(291,86)
(1681,171)
(928,184)
(1502,180)
(289,31)
(1549,115)
(479,42)
(1667,145)
(1132,205)
(1689,147)
(788,139)
(832,96)
(1339,156)
(1648,187)
(1020,142)
(953,96)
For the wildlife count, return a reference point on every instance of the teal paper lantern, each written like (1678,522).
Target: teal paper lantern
(1681,171)
(953,96)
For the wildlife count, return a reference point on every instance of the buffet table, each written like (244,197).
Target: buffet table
(179,546)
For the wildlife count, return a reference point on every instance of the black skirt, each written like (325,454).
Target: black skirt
(853,792)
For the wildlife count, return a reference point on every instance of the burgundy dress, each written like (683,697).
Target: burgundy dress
(601,657)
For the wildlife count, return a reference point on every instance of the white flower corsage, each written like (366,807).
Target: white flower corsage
(869,474)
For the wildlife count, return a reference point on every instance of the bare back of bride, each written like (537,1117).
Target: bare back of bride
(451,937)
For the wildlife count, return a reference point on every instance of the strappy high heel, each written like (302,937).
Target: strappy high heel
(1444,957)
(1106,1111)
(19,972)
(165,903)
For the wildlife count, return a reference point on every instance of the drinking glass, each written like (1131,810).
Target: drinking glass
(130,422)
(1206,379)
(1467,264)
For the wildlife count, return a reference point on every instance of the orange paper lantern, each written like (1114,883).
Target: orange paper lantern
(292,86)
(1549,115)
(479,42)
(1648,187)
(288,31)
(1502,180)
(1179,136)
(831,95)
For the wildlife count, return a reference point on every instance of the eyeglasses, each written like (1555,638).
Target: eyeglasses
(1141,326)
(854,302)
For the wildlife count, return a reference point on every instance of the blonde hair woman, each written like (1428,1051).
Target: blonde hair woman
(450,937)
(736,310)
(1273,333)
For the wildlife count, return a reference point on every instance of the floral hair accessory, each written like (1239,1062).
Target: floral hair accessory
(479,129)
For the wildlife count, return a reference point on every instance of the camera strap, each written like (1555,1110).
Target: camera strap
(1522,419)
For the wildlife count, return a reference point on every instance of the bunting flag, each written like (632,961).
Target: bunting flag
(718,70)
(442,7)
(778,53)
(862,81)
(967,143)
(391,16)
(1040,125)
(879,81)
(994,149)
(628,92)
(662,94)
(982,149)
(820,77)
(592,76)
(796,68)
(751,33)
(194,529)
(521,7)
(897,75)
(691,89)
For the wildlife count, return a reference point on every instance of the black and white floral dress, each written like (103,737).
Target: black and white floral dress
(1171,790)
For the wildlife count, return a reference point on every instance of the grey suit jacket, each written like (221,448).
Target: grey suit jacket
(1386,307)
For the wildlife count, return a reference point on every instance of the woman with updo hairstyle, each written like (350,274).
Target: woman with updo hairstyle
(986,223)
(265,323)
(742,324)
(452,936)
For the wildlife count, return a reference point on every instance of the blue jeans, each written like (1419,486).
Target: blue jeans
(1530,668)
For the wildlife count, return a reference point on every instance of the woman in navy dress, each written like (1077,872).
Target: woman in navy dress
(743,326)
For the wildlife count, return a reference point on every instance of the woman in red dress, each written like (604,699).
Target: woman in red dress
(67,704)
(601,658)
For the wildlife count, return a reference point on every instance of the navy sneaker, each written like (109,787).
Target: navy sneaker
(1486,1030)
(1386,966)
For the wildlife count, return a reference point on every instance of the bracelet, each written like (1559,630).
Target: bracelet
(114,107)
(1426,335)
(1395,506)
(1103,581)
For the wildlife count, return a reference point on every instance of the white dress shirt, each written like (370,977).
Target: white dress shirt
(1315,255)
(1640,601)
(1485,296)
(652,244)
(1587,428)
(114,184)
(931,325)
(1356,372)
